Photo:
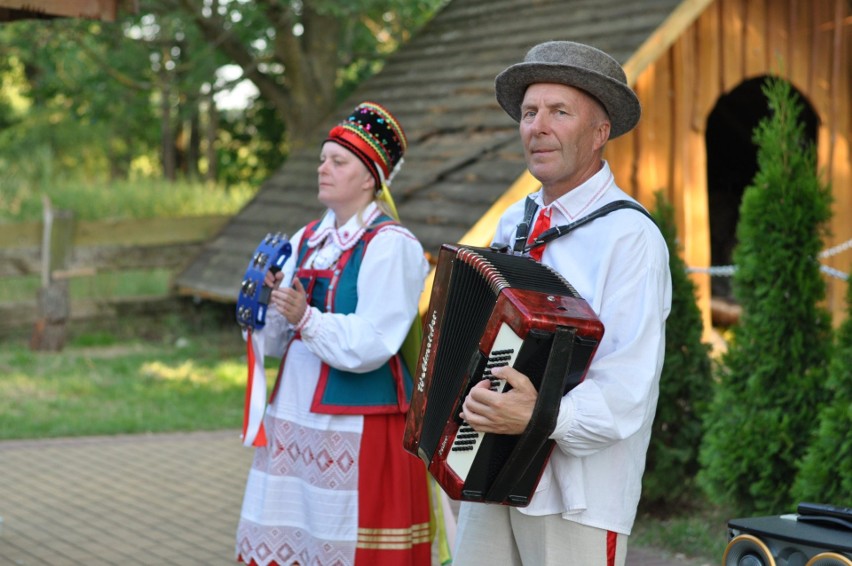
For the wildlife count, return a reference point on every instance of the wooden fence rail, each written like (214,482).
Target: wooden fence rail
(100,247)
(110,245)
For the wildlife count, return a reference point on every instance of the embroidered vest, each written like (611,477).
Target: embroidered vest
(386,389)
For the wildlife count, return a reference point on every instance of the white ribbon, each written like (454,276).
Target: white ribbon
(253,433)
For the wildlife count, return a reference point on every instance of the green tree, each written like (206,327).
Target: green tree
(137,94)
(825,474)
(772,380)
(685,388)
(72,114)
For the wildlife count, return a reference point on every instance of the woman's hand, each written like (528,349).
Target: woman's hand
(273,279)
(290,301)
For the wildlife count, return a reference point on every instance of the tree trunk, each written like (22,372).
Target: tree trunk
(311,63)
(212,134)
(193,149)
(167,142)
(307,94)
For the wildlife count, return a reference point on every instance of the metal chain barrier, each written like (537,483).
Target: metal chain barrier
(836,249)
(728,270)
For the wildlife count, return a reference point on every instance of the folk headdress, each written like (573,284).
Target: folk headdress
(377,139)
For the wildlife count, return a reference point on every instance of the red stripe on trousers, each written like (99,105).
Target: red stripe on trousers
(611,540)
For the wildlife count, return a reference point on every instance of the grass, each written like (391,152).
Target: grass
(175,376)
(697,538)
(99,200)
(128,283)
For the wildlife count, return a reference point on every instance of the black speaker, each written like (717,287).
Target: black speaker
(786,541)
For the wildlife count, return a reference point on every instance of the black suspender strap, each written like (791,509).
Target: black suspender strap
(523,228)
(558,231)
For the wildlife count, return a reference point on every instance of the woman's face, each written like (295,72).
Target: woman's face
(345,183)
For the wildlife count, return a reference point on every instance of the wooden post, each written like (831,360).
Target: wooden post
(50,332)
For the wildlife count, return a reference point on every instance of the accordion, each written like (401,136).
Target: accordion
(489,308)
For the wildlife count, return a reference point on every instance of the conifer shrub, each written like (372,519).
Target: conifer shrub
(685,388)
(772,377)
(825,473)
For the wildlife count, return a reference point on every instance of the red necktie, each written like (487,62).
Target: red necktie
(542,223)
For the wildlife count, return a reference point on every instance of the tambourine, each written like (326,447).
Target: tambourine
(271,254)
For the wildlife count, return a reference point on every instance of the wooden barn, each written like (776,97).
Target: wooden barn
(697,67)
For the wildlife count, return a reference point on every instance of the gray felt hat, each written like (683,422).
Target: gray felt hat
(577,65)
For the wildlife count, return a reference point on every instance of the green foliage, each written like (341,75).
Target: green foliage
(685,388)
(250,145)
(772,384)
(825,474)
(73,116)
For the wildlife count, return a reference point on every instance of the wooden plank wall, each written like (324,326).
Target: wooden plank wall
(808,42)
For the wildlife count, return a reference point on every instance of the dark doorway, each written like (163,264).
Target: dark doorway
(732,164)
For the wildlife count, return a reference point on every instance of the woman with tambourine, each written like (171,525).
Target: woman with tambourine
(333,484)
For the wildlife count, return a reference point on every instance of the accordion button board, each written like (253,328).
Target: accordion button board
(467,441)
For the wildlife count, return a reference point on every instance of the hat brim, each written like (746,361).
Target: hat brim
(617,98)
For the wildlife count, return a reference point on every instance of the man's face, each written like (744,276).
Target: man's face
(562,129)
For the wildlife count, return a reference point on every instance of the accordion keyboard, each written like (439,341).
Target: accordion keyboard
(466,444)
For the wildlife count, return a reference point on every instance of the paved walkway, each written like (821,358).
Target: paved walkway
(165,499)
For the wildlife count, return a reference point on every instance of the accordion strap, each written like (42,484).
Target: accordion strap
(523,229)
(558,231)
(536,437)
